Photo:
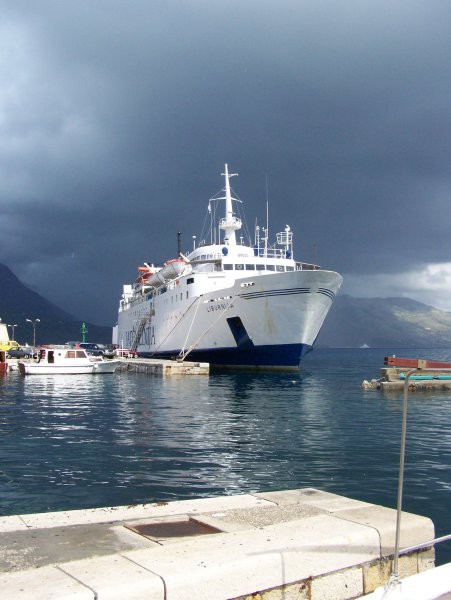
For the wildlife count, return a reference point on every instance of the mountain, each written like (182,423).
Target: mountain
(382,322)
(18,303)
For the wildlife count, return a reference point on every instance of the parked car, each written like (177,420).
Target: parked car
(93,349)
(8,345)
(21,352)
(108,352)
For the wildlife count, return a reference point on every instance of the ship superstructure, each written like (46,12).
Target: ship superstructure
(228,303)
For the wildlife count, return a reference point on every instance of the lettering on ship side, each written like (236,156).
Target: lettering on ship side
(214,307)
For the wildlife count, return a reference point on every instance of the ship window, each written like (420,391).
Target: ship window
(70,354)
(250,267)
(280,268)
(260,267)
(187,294)
(80,354)
(290,268)
(181,296)
(190,280)
(228,267)
(239,267)
(270,267)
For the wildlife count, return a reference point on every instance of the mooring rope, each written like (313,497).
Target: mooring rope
(221,314)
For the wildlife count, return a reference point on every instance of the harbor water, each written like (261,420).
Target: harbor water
(83,441)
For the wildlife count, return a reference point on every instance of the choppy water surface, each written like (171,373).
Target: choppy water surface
(81,441)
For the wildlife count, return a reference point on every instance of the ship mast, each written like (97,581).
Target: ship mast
(230,223)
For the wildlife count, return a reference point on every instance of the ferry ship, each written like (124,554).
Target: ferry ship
(226,302)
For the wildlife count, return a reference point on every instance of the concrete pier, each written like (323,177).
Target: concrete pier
(391,381)
(424,375)
(303,544)
(163,368)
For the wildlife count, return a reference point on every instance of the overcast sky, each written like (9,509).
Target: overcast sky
(116,119)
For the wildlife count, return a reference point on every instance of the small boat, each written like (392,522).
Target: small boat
(3,363)
(67,361)
(101,365)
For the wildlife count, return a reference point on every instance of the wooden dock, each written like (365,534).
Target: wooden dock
(163,368)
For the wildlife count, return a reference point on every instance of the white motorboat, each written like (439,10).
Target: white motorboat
(228,302)
(100,365)
(66,361)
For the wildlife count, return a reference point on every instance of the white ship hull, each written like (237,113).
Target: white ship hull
(268,321)
(228,303)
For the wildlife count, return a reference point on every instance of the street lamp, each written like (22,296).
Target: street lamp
(13,327)
(34,323)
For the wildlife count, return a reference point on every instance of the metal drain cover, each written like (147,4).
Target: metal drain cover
(172,529)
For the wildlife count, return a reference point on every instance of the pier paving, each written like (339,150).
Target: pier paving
(163,367)
(291,544)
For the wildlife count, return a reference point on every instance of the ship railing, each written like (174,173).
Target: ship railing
(394,580)
(270,252)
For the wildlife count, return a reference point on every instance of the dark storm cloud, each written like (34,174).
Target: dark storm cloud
(116,119)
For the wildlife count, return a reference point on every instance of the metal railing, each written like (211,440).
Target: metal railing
(394,577)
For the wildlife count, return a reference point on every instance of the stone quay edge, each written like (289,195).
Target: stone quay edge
(303,544)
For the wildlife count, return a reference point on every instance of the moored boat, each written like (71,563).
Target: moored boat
(101,365)
(66,361)
(227,302)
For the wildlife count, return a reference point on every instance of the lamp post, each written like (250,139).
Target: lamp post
(34,323)
(13,327)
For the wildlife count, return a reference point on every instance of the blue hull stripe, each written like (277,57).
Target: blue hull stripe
(326,292)
(282,292)
(283,355)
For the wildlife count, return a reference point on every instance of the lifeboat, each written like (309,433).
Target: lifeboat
(171,269)
(144,273)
